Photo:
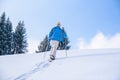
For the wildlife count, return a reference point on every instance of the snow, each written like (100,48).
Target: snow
(101,64)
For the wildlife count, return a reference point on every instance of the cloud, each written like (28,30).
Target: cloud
(100,41)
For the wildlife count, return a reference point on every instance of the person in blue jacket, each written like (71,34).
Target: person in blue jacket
(56,35)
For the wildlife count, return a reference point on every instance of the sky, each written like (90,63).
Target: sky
(89,24)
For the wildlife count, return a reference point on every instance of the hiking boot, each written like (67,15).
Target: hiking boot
(52,57)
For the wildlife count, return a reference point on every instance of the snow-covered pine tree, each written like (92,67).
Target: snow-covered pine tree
(66,42)
(8,37)
(64,45)
(44,45)
(20,39)
(2,33)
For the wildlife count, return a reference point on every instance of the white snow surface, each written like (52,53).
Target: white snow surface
(101,64)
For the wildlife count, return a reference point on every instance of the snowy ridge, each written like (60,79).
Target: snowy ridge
(77,65)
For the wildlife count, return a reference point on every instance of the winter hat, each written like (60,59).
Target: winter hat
(58,24)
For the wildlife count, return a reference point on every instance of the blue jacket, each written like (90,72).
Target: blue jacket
(57,34)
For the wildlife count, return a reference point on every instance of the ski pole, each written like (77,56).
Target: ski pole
(46,50)
(44,55)
(65,48)
(66,52)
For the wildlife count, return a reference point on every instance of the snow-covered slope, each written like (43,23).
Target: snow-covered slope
(101,64)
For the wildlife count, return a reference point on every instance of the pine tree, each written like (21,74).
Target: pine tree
(64,45)
(19,36)
(2,34)
(8,37)
(44,45)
